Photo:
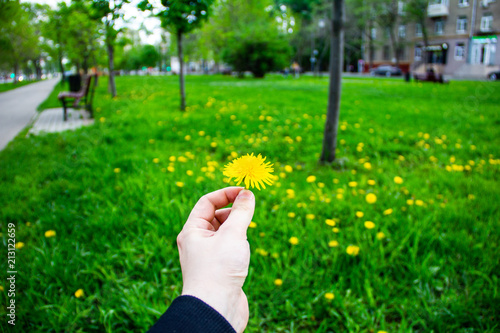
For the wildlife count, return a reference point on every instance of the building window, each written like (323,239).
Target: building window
(401,8)
(463,3)
(418,30)
(487,23)
(418,54)
(402,53)
(386,54)
(402,31)
(460,51)
(461,24)
(439,27)
(373,33)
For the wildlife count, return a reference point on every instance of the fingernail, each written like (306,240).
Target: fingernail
(245,194)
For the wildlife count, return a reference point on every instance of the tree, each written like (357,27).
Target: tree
(336,61)
(108,11)
(416,11)
(387,18)
(18,41)
(181,17)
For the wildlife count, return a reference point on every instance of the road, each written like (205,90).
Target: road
(18,106)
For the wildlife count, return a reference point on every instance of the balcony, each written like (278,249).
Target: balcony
(439,9)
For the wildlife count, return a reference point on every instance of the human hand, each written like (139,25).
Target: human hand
(215,254)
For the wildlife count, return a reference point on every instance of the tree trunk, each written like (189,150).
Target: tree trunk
(61,66)
(371,47)
(395,46)
(16,69)
(336,61)
(426,39)
(111,68)
(181,74)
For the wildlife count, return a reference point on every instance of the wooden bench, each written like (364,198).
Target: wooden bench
(85,95)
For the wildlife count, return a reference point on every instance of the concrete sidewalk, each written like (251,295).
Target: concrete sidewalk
(18,106)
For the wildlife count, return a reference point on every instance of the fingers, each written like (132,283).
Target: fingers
(205,208)
(220,217)
(241,215)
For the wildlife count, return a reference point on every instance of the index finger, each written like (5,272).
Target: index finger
(207,205)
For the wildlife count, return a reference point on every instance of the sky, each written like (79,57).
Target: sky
(134,17)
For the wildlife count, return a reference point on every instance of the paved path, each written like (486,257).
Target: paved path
(18,106)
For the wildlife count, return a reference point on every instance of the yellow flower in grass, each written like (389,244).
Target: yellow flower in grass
(352,184)
(360,214)
(291,215)
(369,225)
(380,235)
(156,160)
(398,180)
(179,184)
(329,296)
(330,222)
(250,169)
(352,250)
(278,282)
(388,211)
(371,198)
(252,225)
(371,182)
(310,216)
(294,240)
(50,233)
(1,288)
(333,243)
(311,179)
(19,245)
(117,170)
(79,293)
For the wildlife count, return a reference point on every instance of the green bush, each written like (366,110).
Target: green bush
(258,55)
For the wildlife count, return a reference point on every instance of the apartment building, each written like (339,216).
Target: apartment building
(463,37)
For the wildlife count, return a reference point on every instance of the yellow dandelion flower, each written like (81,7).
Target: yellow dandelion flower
(79,293)
(311,179)
(371,198)
(367,165)
(333,243)
(339,196)
(352,250)
(336,230)
(329,296)
(187,137)
(360,214)
(50,233)
(330,222)
(419,202)
(352,184)
(381,331)
(388,211)
(409,202)
(189,173)
(380,235)
(117,170)
(369,225)
(1,288)
(179,184)
(278,282)
(252,225)
(291,215)
(371,182)
(252,170)
(156,160)
(288,168)
(19,245)
(294,240)
(398,180)
(151,141)
(213,144)
(310,216)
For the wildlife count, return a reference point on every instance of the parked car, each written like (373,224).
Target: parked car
(386,70)
(494,76)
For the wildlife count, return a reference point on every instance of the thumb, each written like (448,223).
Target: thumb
(241,215)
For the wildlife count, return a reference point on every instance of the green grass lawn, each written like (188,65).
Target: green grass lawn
(118,193)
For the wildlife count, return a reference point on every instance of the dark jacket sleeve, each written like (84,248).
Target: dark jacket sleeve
(188,314)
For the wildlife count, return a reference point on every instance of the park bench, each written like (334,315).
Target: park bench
(84,95)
